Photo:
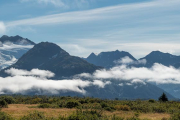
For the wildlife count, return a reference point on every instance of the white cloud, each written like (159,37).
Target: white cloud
(159,74)
(135,81)
(21,84)
(54,2)
(143,61)
(22,81)
(12,47)
(124,60)
(100,83)
(6,62)
(95,14)
(132,27)
(64,4)
(58,3)
(33,72)
(2,28)
(9,53)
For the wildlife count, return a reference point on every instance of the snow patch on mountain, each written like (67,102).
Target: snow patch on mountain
(10,53)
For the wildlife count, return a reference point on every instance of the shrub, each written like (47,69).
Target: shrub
(136,114)
(72,104)
(122,107)
(44,105)
(62,104)
(83,101)
(133,118)
(34,116)
(36,101)
(175,116)
(103,105)
(108,108)
(141,108)
(117,118)
(3,104)
(152,101)
(4,116)
(8,99)
(86,115)
(164,118)
(159,109)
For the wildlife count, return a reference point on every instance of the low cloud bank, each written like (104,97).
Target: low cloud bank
(126,60)
(33,72)
(159,74)
(22,81)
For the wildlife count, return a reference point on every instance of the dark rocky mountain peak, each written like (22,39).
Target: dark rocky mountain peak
(16,40)
(166,59)
(107,59)
(49,56)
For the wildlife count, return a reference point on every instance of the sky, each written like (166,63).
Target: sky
(84,26)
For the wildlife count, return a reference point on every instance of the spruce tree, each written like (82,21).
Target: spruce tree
(163,98)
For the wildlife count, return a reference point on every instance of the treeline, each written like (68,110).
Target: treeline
(91,108)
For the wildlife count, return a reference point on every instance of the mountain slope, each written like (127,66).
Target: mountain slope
(49,56)
(107,59)
(127,91)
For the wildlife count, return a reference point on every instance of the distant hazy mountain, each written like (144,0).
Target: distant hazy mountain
(115,90)
(49,56)
(108,59)
(127,91)
(12,48)
(162,58)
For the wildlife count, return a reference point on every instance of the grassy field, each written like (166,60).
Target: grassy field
(19,110)
(75,108)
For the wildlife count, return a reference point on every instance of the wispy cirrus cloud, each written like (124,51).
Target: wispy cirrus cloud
(64,4)
(58,3)
(98,14)
(138,28)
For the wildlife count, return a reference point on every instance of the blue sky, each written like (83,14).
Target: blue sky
(84,26)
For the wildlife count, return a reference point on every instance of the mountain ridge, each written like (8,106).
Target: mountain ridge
(107,59)
(16,40)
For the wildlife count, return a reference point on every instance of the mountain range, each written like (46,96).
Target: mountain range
(108,59)
(165,59)
(49,56)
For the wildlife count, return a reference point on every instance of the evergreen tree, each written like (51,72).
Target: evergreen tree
(163,98)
